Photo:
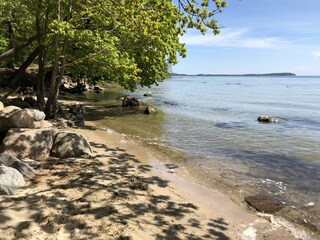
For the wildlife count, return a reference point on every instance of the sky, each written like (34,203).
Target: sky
(258,36)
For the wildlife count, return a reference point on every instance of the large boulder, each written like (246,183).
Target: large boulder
(10,180)
(35,144)
(14,117)
(70,144)
(22,167)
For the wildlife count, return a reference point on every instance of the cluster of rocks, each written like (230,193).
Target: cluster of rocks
(30,139)
(134,102)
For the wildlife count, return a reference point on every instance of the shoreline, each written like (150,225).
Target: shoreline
(124,192)
(210,203)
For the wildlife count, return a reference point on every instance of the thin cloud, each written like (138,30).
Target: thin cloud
(316,54)
(235,38)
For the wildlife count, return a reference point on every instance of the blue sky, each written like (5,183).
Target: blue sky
(258,36)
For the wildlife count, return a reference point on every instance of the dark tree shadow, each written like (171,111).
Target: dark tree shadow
(80,192)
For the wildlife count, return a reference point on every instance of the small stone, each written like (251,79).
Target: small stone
(264,204)
(149,110)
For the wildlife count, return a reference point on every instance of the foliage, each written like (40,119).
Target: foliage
(131,42)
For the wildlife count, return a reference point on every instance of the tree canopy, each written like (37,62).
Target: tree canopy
(131,42)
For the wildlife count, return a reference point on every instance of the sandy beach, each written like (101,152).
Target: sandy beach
(124,192)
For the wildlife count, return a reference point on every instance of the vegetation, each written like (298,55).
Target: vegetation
(131,42)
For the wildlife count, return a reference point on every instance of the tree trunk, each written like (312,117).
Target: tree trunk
(17,75)
(41,79)
(50,108)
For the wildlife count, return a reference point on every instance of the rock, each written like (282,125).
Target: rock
(36,114)
(77,109)
(28,143)
(12,117)
(148,94)
(264,204)
(10,180)
(79,121)
(31,101)
(149,110)
(32,163)
(265,119)
(70,144)
(9,111)
(22,167)
(170,103)
(130,102)
(19,103)
(1,106)
(43,124)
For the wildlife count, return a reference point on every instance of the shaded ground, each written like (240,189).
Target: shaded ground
(109,196)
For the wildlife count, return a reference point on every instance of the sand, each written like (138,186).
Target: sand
(124,192)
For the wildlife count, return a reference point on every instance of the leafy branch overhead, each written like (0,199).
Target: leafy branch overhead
(131,42)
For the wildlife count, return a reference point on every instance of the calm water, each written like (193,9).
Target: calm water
(214,121)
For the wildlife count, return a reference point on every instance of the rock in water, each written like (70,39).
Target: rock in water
(70,144)
(28,143)
(149,110)
(130,102)
(148,94)
(264,119)
(264,204)
(10,180)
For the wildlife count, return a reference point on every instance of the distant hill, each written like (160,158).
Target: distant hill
(285,74)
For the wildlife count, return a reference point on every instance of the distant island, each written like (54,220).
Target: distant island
(285,74)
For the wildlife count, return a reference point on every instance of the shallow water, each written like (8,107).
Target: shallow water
(214,121)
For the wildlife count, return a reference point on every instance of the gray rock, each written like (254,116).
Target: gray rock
(14,117)
(70,144)
(24,168)
(148,94)
(36,114)
(264,204)
(1,106)
(28,143)
(10,180)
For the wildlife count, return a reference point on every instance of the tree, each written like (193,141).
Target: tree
(131,42)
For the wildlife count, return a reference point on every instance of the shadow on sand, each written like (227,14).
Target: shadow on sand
(104,197)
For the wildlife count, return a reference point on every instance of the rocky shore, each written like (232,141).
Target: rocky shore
(59,182)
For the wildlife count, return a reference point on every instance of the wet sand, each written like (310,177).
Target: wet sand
(124,192)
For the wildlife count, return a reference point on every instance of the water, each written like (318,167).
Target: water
(214,121)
